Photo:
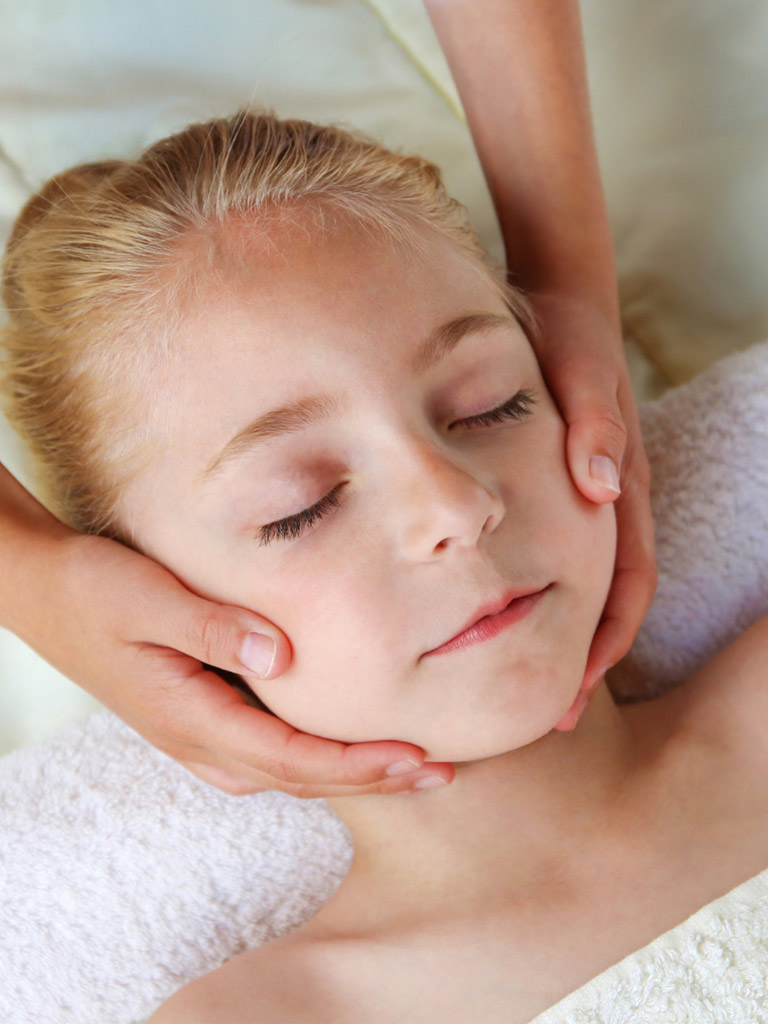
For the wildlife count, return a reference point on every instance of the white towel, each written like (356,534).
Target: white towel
(707,443)
(122,876)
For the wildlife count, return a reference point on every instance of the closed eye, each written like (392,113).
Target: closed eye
(515,408)
(293,526)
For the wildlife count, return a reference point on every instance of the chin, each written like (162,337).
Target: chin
(471,753)
(508,729)
(483,747)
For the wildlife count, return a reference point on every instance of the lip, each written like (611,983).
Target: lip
(491,619)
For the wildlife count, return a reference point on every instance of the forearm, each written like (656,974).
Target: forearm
(520,70)
(28,534)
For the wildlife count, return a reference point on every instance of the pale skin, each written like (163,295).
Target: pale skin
(142,656)
(491,898)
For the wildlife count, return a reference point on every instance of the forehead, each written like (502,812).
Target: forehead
(309,276)
(340,312)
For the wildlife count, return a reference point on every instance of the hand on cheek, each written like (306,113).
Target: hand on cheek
(586,372)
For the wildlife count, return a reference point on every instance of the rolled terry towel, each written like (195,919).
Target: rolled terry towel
(122,876)
(707,443)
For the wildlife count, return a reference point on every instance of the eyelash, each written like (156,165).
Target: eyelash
(293,526)
(290,528)
(515,408)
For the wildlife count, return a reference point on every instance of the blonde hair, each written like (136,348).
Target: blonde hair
(92,271)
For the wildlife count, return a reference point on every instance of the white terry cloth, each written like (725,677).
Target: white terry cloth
(707,444)
(711,969)
(122,876)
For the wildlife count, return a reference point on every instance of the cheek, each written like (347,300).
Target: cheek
(332,602)
(588,568)
(593,553)
(588,549)
(574,538)
(342,630)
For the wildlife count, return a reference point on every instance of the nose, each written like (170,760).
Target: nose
(443,504)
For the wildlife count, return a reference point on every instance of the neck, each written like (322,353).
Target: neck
(521,817)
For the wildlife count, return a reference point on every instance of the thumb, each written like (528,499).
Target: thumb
(595,446)
(223,636)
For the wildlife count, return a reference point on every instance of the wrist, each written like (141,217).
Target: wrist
(30,538)
(579,317)
(583,300)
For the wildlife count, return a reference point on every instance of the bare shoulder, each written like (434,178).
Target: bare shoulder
(727,699)
(288,981)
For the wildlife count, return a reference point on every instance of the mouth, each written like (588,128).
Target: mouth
(491,619)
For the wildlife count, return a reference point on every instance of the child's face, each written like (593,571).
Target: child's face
(437,515)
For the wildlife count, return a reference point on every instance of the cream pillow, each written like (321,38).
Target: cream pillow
(680,100)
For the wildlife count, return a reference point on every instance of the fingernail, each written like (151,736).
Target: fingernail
(258,654)
(403,767)
(604,472)
(429,782)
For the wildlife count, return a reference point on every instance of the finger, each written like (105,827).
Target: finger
(431,776)
(595,445)
(228,637)
(219,778)
(590,392)
(288,756)
(634,584)
(198,710)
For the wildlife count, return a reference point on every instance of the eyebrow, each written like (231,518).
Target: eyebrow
(314,408)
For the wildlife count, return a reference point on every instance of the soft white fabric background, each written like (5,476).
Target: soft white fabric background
(680,96)
(680,100)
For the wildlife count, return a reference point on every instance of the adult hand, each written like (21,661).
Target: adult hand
(582,358)
(131,634)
